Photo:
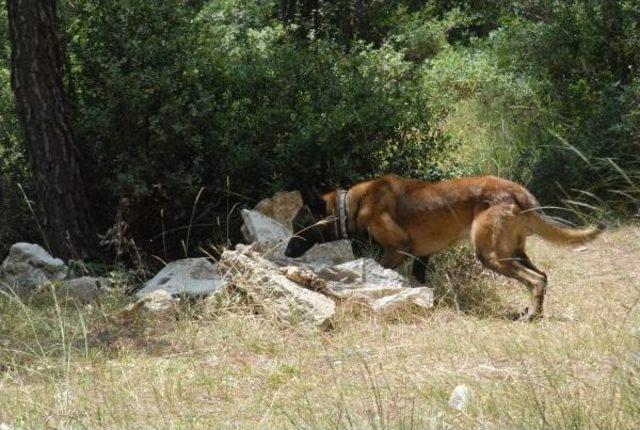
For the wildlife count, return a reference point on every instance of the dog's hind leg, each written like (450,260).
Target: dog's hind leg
(535,283)
(538,291)
(392,238)
(521,256)
(496,238)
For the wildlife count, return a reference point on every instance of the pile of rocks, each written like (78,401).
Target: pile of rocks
(29,266)
(304,290)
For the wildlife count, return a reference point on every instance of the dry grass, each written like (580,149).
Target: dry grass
(68,367)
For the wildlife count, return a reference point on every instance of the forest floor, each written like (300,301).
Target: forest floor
(64,366)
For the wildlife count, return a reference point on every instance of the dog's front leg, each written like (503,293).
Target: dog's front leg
(392,258)
(420,268)
(392,238)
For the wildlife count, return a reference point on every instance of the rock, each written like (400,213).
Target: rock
(29,265)
(224,301)
(366,276)
(328,268)
(243,247)
(84,290)
(159,304)
(383,300)
(191,277)
(282,207)
(460,397)
(273,293)
(365,271)
(328,254)
(269,226)
(245,233)
(270,236)
(306,277)
(421,297)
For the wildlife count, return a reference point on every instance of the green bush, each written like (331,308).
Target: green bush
(497,118)
(544,100)
(223,102)
(176,98)
(586,55)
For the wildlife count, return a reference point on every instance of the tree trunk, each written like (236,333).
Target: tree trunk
(62,208)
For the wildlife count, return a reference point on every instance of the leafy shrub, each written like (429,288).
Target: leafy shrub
(497,117)
(182,110)
(176,98)
(544,99)
(585,54)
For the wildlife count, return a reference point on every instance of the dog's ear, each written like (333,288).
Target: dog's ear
(313,200)
(318,206)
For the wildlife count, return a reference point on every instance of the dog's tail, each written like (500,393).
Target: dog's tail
(557,233)
(549,229)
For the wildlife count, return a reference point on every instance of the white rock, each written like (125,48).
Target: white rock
(460,397)
(273,293)
(328,268)
(191,277)
(160,302)
(306,277)
(365,270)
(269,235)
(282,207)
(29,265)
(366,276)
(328,254)
(382,299)
(421,297)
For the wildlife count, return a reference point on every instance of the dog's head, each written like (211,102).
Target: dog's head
(314,223)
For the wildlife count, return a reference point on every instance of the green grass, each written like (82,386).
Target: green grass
(78,367)
(493,139)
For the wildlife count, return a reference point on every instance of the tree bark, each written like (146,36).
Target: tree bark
(62,208)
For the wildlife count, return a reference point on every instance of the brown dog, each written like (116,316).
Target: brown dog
(418,218)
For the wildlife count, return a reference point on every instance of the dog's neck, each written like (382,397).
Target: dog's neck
(344,206)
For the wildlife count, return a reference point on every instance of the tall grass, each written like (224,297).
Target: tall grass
(510,141)
(493,139)
(68,366)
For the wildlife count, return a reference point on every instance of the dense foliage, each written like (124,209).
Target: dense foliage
(225,101)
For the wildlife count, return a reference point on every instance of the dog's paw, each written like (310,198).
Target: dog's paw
(512,315)
(527,316)
(523,315)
